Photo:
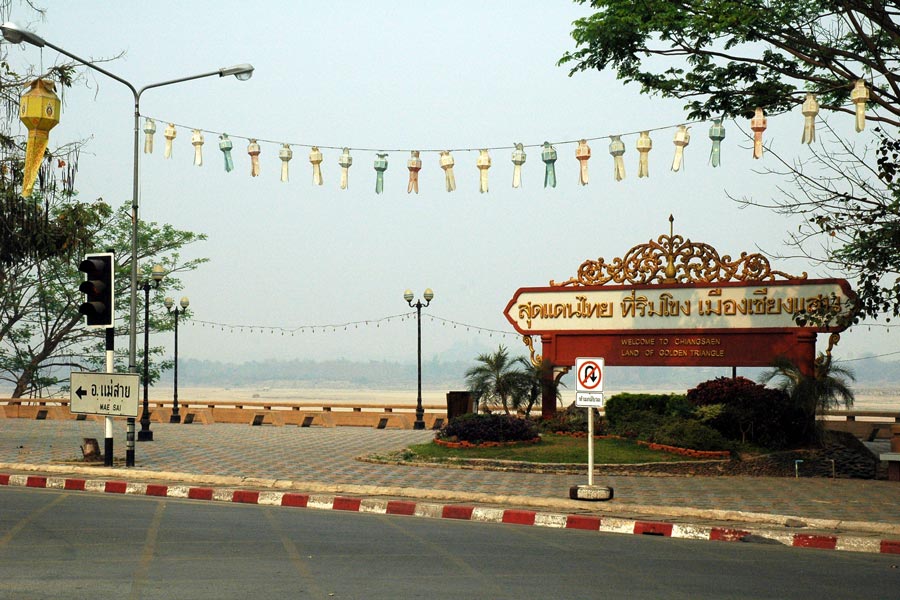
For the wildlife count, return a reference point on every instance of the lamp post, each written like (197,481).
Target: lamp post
(13,34)
(408,296)
(176,416)
(145,435)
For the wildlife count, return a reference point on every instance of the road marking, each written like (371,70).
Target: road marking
(293,553)
(29,519)
(143,569)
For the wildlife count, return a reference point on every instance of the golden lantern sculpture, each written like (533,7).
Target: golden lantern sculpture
(39,111)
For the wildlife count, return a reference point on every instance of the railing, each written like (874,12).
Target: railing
(865,424)
(304,414)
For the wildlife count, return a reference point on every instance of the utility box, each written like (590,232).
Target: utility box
(458,403)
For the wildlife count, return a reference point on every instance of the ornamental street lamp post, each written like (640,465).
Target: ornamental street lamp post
(408,296)
(145,435)
(176,417)
(13,34)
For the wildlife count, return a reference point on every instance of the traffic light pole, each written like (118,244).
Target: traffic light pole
(110,368)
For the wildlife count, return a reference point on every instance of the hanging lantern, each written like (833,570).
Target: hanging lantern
(315,157)
(197,142)
(860,95)
(285,154)
(518,159)
(716,134)
(548,155)
(149,130)
(169,134)
(345,161)
(617,150)
(810,109)
(447,165)
(682,139)
(39,111)
(225,146)
(644,145)
(758,124)
(483,163)
(414,164)
(583,153)
(381,165)
(253,151)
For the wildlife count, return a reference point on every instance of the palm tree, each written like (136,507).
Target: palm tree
(531,383)
(824,390)
(495,379)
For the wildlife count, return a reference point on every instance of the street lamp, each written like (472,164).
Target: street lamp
(12,33)
(408,296)
(157,274)
(176,417)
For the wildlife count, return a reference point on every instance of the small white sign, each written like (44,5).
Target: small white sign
(585,400)
(112,394)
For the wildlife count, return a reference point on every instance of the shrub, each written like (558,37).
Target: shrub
(688,433)
(489,428)
(571,420)
(749,411)
(621,405)
(640,424)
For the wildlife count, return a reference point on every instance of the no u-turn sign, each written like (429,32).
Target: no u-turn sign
(589,382)
(589,374)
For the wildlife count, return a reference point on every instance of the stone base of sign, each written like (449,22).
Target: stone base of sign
(591,493)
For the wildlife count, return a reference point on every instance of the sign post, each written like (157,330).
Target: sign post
(589,395)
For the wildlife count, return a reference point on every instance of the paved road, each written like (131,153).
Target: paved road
(56,544)
(328,456)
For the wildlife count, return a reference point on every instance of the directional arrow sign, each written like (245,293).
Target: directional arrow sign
(112,394)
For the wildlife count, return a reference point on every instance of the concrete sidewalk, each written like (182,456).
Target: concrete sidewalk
(320,460)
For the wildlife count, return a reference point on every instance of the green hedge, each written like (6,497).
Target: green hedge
(662,418)
(621,405)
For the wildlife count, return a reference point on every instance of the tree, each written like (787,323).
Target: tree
(727,57)
(42,331)
(531,382)
(39,227)
(42,239)
(495,380)
(826,389)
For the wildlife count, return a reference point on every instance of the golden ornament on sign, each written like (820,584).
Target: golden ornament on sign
(536,360)
(674,259)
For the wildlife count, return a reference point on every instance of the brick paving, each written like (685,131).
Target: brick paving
(328,456)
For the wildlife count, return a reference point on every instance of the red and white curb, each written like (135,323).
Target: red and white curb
(457,511)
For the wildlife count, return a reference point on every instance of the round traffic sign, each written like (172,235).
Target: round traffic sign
(590,375)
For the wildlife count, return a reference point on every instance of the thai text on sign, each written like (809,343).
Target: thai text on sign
(773,305)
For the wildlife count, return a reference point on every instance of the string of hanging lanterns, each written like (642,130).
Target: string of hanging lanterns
(548,150)
(335,327)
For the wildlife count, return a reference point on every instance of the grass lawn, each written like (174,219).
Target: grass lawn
(555,449)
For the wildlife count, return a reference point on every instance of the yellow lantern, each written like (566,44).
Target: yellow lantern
(39,111)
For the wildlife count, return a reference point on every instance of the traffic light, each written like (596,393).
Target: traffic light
(99,305)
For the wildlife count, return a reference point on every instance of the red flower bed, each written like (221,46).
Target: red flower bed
(723,454)
(465,444)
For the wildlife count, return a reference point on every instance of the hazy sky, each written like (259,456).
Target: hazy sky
(391,75)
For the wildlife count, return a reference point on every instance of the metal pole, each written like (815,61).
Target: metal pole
(420,412)
(110,368)
(129,442)
(145,435)
(590,446)
(176,417)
